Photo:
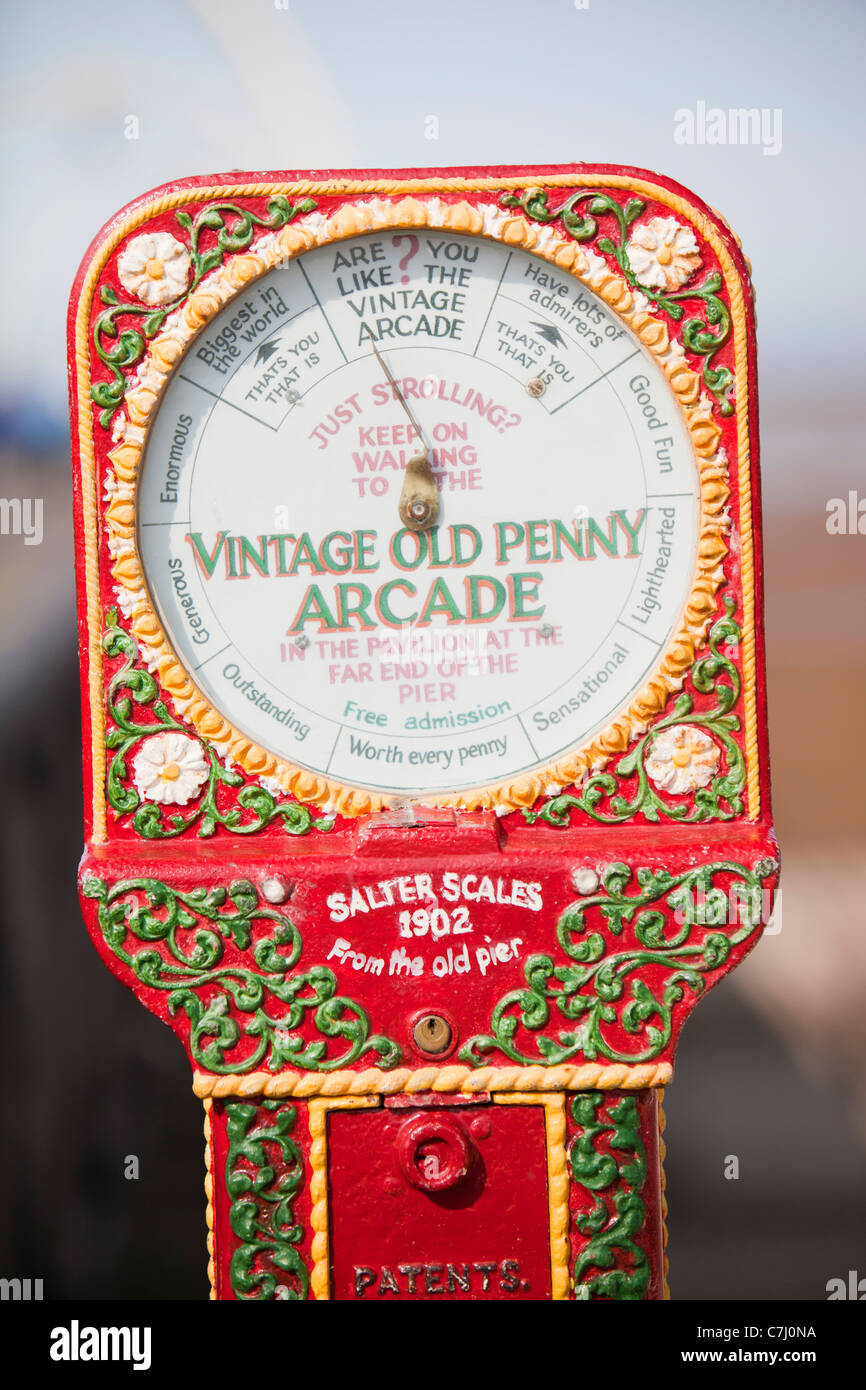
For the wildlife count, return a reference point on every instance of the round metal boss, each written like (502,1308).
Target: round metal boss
(434,1152)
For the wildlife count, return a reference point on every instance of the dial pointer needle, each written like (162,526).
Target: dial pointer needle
(419,498)
(398,393)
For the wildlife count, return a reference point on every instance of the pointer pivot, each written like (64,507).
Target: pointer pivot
(419,498)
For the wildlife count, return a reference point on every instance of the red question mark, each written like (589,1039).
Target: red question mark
(413,251)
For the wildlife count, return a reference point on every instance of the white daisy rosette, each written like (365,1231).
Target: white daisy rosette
(154,267)
(169,769)
(682,759)
(663,253)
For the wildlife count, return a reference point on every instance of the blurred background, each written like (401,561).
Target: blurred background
(101,101)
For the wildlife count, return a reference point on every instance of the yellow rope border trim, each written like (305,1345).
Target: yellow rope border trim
(662,1121)
(320,1221)
(704,431)
(558,1185)
(468,1080)
(208,1187)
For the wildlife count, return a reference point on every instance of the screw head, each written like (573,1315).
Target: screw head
(536,387)
(275,890)
(585,880)
(419,510)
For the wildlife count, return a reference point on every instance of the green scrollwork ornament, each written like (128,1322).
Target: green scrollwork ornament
(122,349)
(184,956)
(133,688)
(603,995)
(261,1213)
(611,1264)
(579,214)
(714,674)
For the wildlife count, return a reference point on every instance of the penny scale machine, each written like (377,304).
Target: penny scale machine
(426,785)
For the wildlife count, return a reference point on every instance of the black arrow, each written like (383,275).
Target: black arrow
(266,350)
(550,333)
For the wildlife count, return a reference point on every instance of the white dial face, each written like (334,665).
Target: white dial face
(567,534)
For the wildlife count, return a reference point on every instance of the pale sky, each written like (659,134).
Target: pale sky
(216,84)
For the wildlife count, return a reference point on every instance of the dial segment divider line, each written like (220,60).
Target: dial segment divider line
(492,302)
(633,630)
(528,736)
(213,656)
(223,401)
(322,311)
(590,384)
(572,345)
(274,336)
(340,729)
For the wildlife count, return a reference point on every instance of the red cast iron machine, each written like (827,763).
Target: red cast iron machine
(426,779)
